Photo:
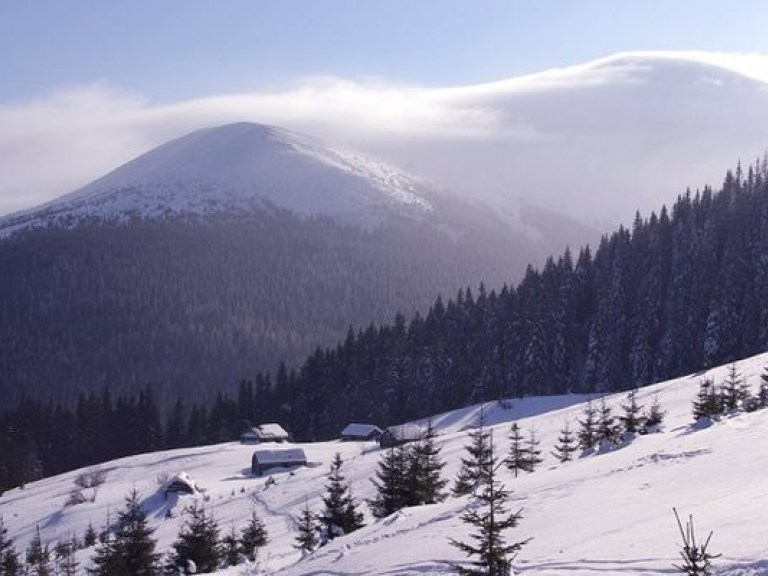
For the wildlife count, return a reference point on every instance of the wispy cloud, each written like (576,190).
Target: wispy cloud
(62,140)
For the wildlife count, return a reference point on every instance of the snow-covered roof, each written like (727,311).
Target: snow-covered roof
(287,456)
(363,430)
(268,431)
(178,480)
(406,432)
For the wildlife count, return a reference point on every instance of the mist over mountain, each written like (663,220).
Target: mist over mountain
(226,252)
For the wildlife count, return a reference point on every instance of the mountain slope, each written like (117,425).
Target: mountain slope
(223,253)
(605,513)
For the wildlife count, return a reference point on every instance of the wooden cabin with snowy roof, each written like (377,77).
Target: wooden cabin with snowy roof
(399,435)
(264,460)
(360,432)
(270,432)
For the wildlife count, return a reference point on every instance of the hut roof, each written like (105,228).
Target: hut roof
(356,429)
(287,456)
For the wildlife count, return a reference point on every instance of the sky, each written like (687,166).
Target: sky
(88,84)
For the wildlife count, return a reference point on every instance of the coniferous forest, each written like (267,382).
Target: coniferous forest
(681,290)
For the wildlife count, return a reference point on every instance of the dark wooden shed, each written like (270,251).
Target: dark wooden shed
(264,460)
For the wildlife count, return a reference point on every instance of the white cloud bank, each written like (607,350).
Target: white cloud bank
(596,140)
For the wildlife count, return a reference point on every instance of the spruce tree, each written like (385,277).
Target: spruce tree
(631,419)
(608,432)
(734,390)
(534,452)
(424,470)
(131,550)
(474,467)
(762,393)
(490,518)
(566,445)
(307,526)
(340,515)
(198,541)
(707,402)
(10,564)
(653,420)
(90,537)
(391,486)
(66,561)
(38,556)
(253,536)
(230,548)
(588,429)
(518,456)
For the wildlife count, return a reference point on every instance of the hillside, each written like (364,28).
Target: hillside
(605,513)
(223,254)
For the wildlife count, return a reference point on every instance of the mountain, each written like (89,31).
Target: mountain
(223,253)
(609,512)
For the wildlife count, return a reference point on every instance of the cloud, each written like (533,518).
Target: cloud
(543,132)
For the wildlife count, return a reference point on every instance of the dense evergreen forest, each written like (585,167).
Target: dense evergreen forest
(192,305)
(677,293)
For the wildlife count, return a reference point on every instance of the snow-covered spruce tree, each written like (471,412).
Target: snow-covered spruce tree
(489,516)
(38,557)
(474,467)
(230,548)
(697,560)
(706,405)
(307,526)
(566,444)
(534,452)
(10,564)
(197,542)
(132,549)
(64,556)
(424,470)
(762,392)
(391,487)
(517,457)
(90,537)
(253,536)
(608,432)
(587,434)
(340,515)
(734,391)
(631,418)
(653,420)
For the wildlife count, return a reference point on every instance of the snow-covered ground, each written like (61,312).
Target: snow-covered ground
(608,513)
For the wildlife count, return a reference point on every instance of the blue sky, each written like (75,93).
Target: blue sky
(168,50)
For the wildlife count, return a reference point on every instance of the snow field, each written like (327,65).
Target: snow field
(608,513)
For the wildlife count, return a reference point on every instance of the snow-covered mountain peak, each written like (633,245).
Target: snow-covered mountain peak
(233,168)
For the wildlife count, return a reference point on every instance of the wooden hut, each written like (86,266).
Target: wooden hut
(264,460)
(265,433)
(360,432)
(399,435)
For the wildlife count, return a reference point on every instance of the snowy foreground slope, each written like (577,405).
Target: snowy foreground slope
(608,513)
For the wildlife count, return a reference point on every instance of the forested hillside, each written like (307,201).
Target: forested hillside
(192,306)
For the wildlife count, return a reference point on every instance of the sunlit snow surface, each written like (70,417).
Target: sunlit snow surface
(233,169)
(604,514)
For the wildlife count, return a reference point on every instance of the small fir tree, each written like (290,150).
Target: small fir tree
(587,434)
(198,541)
(734,390)
(425,480)
(653,420)
(631,419)
(340,515)
(608,432)
(566,444)
(697,560)
(64,555)
(132,549)
(308,527)
(253,536)
(490,518)
(90,537)
(38,556)
(706,405)
(475,466)
(518,456)
(391,483)
(230,548)
(762,392)
(534,452)
(10,564)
